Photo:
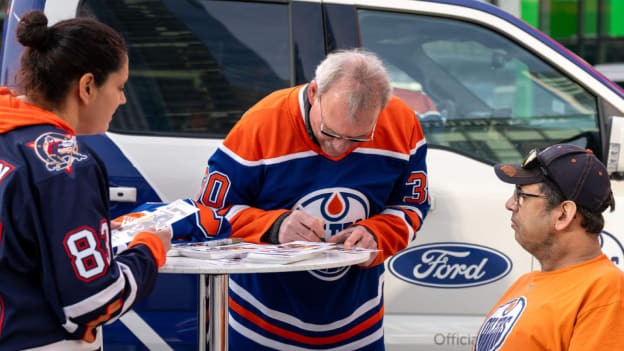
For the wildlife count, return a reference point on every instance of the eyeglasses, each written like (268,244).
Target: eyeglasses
(519,193)
(332,134)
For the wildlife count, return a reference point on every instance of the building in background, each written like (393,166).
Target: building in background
(589,28)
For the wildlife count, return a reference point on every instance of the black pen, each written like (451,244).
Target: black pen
(313,231)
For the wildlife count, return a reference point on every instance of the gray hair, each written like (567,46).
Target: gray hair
(370,84)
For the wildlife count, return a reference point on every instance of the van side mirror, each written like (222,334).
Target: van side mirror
(615,158)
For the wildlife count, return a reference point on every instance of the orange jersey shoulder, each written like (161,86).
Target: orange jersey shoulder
(270,128)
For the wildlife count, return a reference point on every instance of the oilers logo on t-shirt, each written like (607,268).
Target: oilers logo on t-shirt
(339,208)
(499,324)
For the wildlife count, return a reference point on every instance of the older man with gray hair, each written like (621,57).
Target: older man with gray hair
(337,160)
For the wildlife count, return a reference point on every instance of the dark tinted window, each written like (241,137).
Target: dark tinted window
(196,65)
(495,99)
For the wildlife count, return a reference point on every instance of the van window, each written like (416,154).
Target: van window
(476,91)
(196,65)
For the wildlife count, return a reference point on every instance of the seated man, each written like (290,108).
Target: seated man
(576,300)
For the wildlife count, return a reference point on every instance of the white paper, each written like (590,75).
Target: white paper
(160,218)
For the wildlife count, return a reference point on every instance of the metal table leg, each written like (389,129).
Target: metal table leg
(201,313)
(218,309)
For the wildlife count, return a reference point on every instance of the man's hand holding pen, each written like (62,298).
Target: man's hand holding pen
(301,226)
(305,227)
(357,236)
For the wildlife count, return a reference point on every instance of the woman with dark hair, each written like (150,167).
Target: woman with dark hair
(58,278)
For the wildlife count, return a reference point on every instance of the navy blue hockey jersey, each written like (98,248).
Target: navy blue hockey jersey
(58,279)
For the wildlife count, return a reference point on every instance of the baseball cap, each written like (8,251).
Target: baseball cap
(577,173)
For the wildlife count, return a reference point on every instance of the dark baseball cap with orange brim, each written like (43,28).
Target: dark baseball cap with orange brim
(576,173)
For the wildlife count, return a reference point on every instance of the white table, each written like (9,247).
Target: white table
(218,277)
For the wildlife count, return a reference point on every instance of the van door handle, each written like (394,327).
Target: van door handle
(123,194)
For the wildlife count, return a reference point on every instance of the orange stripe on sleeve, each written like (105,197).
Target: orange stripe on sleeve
(89,335)
(395,235)
(245,313)
(153,243)
(209,219)
(251,223)
(414,217)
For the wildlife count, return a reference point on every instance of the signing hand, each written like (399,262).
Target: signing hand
(115,224)
(301,226)
(164,234)
(357,236)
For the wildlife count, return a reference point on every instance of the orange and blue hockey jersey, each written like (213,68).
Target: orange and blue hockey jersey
(268,165)
(58,279)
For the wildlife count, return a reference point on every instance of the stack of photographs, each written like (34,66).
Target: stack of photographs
(258,253)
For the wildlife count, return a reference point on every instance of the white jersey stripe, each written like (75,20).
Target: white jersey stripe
(410,208)
(73,345)
(304,154)
(267,161)
(381,152)
(234,210)
(292,320)
(70,326)
(302,104)
(401,214)
(419,144)
(98,300)
(125,270)
(263,340)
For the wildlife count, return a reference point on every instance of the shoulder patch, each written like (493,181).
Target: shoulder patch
(5,169)
(57,151)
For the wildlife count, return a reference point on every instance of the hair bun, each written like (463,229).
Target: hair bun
(32,30)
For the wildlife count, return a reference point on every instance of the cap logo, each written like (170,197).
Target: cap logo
(529,158)
(509,170)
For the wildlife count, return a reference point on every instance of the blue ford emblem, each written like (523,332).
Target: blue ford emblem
(450,265)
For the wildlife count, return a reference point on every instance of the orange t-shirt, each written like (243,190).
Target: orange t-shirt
(575,308)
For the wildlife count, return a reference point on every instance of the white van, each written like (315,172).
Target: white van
(613,71)
(500,88)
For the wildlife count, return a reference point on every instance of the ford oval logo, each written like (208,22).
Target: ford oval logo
(450,265)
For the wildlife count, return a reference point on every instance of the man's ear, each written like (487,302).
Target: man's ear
(312,90)
(86,87)
(565,215)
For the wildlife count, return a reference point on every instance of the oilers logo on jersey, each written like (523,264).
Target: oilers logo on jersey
(58,151)
(339,207)
(499,324)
